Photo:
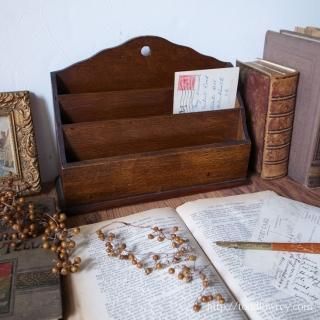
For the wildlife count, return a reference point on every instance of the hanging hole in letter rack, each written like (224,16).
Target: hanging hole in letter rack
(146,51)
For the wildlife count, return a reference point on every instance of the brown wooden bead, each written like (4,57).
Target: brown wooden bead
(171,270)
(210,297)
(197,307)
(180,276)
(77,260)
(74,269)
(14,236)
(55,270)
(45,245)
(101,236)
(71,244)
(64,271)
(148,270)
(175,245)
(218,296)
(62,217)
(221,301)
(76,230)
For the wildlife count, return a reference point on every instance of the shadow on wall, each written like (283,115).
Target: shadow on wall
(46,147)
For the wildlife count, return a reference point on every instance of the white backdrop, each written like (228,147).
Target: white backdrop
(39,36)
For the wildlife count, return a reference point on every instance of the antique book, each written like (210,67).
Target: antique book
(28,288)
(311,31)
(302,53)
(269,94)
(111,288)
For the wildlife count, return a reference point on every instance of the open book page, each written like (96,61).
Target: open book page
(234,219)
(284,220)
(110,288)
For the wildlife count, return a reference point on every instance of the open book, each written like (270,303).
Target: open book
(109,288)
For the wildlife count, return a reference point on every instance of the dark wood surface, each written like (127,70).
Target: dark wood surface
(284,187)
(137,135)
(124,67)
(148,176)
(118,141)
(96,106)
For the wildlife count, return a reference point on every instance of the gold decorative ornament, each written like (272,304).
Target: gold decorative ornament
(18,153)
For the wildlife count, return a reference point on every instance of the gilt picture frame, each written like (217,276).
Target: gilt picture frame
(18,152)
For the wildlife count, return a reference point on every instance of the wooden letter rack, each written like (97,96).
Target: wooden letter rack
(119,142)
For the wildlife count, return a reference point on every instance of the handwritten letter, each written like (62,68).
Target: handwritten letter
(284,220)
(205,90)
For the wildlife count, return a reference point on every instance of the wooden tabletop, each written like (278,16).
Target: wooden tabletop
(284,187)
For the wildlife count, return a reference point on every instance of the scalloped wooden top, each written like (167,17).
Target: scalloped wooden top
(125,67)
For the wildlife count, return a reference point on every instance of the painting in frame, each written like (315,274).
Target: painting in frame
(18,152)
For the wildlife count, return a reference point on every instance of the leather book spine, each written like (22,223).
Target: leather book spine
(254,87)
(278,129)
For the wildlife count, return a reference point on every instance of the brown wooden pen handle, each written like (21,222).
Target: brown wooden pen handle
(297,247)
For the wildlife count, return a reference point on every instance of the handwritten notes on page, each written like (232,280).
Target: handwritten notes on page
(284,220)
(205,90)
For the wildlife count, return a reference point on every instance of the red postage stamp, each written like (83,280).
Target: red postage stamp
(186,82)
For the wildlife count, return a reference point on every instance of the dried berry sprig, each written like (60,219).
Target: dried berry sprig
(58,239)
(24,220)
(181,261)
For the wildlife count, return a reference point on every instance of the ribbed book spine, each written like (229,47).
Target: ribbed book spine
(278,128)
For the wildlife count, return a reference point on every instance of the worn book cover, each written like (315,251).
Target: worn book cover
(28,288)
(302,53)
(269,94)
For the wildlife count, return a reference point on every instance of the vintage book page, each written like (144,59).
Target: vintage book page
(234,219)
(205,90)
(284,220)
(109,288)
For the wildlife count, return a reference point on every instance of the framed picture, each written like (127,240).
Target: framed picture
(18,153)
